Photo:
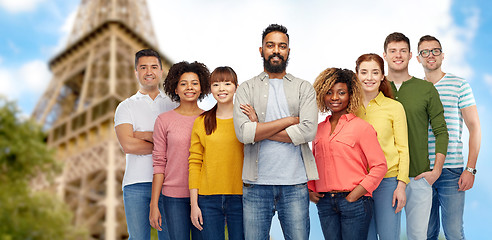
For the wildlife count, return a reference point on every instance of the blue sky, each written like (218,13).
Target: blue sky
(323,34)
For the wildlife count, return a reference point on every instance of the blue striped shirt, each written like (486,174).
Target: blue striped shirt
(455,94)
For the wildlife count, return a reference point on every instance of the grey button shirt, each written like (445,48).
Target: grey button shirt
(302,103)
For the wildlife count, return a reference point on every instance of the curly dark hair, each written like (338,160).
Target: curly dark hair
(332,76)
(274,28)
(175,72)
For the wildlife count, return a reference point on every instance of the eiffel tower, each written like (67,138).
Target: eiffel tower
(91,75)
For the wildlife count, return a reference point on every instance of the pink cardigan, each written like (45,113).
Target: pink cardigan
(172,133)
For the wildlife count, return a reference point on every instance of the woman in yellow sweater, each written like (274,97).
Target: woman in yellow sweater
(215,164)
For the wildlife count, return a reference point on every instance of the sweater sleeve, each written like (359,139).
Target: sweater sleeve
(159,154)
(375,159)
(400,132)
(196,154)
(437,121)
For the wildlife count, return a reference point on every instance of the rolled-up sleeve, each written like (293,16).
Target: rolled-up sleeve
(159,154)
(305,131)
(244,128)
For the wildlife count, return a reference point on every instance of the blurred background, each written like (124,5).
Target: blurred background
(67,64)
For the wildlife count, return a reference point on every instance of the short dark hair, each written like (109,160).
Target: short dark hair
(147,53)
(428,38)
(396,37)
(274,28)
(175,72)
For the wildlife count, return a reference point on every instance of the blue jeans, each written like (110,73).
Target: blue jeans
(219,210)
(417,209)
(341,219)
(290,201)
(385,222)
(136,199)
(178,219)
(445,195)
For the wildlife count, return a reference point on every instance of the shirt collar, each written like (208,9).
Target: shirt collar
(264,76)
(345,117)
(379,98)
(139,95)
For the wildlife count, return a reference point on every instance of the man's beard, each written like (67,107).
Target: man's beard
(275,68)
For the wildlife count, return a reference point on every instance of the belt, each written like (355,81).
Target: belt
(336,193)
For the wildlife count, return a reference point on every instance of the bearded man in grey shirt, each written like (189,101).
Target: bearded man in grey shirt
(277,159)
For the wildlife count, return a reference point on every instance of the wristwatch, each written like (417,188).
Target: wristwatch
(473,171)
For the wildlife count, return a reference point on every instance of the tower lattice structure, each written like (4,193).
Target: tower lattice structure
(91,75)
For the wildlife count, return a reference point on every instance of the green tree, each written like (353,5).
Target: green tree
(25,214)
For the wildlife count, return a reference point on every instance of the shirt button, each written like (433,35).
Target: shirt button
(396,97)
(264,95)
(266,84)
(263,113)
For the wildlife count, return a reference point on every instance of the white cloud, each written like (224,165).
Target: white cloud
(17,6)
(323,34)
(30,80)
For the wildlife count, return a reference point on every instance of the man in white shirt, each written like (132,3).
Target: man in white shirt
(134,122)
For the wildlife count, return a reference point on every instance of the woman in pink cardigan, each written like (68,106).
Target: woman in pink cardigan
(349,158)
(185,83)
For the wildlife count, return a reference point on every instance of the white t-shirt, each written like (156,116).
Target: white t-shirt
(141,112)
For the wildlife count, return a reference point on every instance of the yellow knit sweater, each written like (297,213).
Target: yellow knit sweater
(216,160)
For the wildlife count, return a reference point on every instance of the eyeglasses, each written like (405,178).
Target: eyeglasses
(425,53)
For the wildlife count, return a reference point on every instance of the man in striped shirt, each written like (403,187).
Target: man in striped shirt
(459,104)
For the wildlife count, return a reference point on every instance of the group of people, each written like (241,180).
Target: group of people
(388,142)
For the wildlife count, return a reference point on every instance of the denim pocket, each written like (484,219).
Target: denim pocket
(454,171)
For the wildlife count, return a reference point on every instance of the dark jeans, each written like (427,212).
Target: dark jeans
(177,212)
(341,219)
(219,210)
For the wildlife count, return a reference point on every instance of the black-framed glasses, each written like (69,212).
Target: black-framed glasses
(425,53)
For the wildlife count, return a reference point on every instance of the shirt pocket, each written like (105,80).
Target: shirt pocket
(346,141)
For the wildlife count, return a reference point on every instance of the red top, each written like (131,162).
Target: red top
(348,157)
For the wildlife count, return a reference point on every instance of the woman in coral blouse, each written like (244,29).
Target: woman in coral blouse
(216,163)
(185,83)
(349,158)
(387,116)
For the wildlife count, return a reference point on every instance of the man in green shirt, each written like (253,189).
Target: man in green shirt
(422,106)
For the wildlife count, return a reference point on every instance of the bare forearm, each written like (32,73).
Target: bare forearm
(157,182)
(138,147)
(356,193)
(281,136)
(439,162)
(473,147)
(194,197)
(131,144)
(268,129)
(146,136)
